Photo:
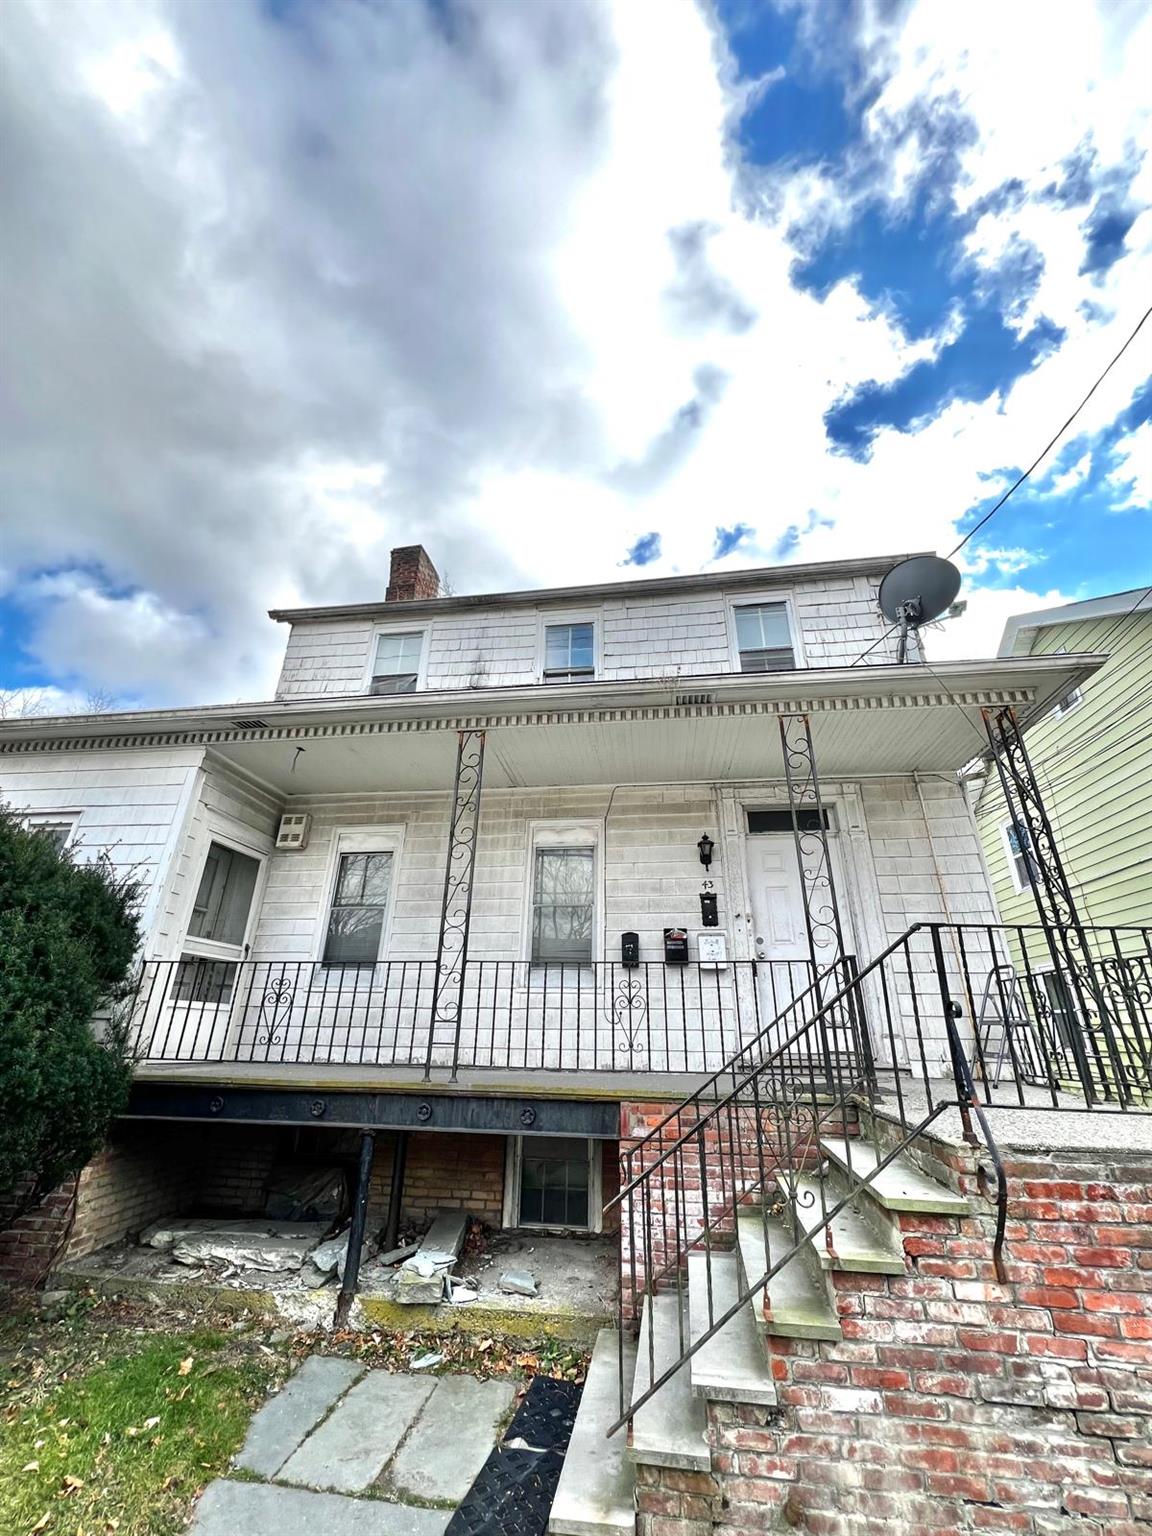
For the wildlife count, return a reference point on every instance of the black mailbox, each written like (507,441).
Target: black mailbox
(629,949)
(709,911)
(676,946)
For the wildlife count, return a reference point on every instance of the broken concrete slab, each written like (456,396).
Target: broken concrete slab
(415,1289)
(445,1237)
(330,1255)
(451,1439)
(284,1421)
(350,1449)
(519,1282)
(268,1253)
(263,1509)
(395,1255)
(164,1235)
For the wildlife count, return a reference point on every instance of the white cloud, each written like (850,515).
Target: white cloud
(977,632)
(1071,478)
(283,295)
(1132,476)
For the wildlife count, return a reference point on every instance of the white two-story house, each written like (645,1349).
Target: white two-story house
(489,869)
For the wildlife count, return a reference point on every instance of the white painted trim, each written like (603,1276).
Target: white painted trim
(556,832)
(386,838)
(753,600)
(398,627)
(546,620)
(513,1167)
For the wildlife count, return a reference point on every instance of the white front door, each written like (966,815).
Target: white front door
(779,931)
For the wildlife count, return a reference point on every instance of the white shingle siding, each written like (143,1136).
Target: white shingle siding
(638,637)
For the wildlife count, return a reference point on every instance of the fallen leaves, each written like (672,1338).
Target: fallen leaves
(185,1366)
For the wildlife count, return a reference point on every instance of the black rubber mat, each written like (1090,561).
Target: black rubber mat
(513,1493)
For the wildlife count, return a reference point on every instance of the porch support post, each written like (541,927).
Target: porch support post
(456,904)
(391,1238)
(1064,932)
(817,883)
(356,1230)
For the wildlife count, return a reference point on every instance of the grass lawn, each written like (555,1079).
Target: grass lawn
(113,1431)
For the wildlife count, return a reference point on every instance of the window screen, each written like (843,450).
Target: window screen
(569,652)
(554,1181)
(220,911)
(562,905)
(359,906)
(764,638)
(397,663)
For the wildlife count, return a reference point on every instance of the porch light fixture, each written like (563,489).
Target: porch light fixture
(706,846)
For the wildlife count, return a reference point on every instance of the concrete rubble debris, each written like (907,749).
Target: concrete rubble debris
(425,1362)
(519,1282)
(395,1255)
(267,1253)
(164,1235)
(423,1278)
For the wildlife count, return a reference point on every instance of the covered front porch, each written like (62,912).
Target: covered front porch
(831,822)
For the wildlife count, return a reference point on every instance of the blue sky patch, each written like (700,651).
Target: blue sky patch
(727,539)
(644,551)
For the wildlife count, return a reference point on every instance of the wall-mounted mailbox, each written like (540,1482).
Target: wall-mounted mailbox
(629,949)
(676,946)
(709,910)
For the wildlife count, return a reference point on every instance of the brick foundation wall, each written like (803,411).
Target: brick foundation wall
(956,1404)
(444,1172)
(143,1174)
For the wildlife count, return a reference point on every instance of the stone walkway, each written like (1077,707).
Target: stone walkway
(351,1452)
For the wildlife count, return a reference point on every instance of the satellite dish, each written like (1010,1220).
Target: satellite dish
(917,591)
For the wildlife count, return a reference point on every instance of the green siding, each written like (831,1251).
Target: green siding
(1094,766)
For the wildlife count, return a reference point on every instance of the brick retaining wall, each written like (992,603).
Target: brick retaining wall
(956,1404)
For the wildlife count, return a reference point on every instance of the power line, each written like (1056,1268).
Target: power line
(1052,443)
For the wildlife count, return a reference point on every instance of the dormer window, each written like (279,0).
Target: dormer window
(569,652)
(764,638)
(396,668)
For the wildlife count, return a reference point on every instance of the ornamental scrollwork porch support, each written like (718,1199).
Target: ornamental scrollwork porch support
(1099,1061)
(821,907)
(456,904)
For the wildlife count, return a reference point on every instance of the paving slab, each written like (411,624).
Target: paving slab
(352,1446)
(264,1509)
(451,1439)
(297,1408)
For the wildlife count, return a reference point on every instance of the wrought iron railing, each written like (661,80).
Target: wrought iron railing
(962,1018)
(602,1017)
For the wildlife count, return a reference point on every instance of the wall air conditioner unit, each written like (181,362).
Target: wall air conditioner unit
(293,830)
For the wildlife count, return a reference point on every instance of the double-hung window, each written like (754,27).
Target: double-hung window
(569,652)
(563,905)
(218,925)
(1021,855)
(763,637)
(396,666)
(359,909)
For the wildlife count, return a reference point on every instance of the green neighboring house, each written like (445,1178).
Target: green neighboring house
(1093,759)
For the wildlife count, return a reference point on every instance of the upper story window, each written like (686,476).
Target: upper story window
(764,637)
(563,902)
(396,667)
(1021,857)
(569,652)
(359,909)
(1068,703)
(56,828)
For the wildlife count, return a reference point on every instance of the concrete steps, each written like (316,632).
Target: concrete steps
(799,1301)
(901,1186)
(731,1367)
(670,1429)
(863,1241)
(595,1494)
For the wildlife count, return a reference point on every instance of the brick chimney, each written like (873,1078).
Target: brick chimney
(413,576)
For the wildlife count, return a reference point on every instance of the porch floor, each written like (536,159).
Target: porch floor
(499,1082)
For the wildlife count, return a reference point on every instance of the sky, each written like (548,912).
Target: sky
(565,290)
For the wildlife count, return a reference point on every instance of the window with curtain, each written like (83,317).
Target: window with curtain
(397,665)
(359,908)
(562,905)
(764,638)
(569,652)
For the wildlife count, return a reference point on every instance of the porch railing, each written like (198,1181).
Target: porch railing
(965,1019)
(602,1017)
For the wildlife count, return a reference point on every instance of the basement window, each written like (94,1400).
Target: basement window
(553,1182)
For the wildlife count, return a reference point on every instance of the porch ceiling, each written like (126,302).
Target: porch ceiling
(861,725)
